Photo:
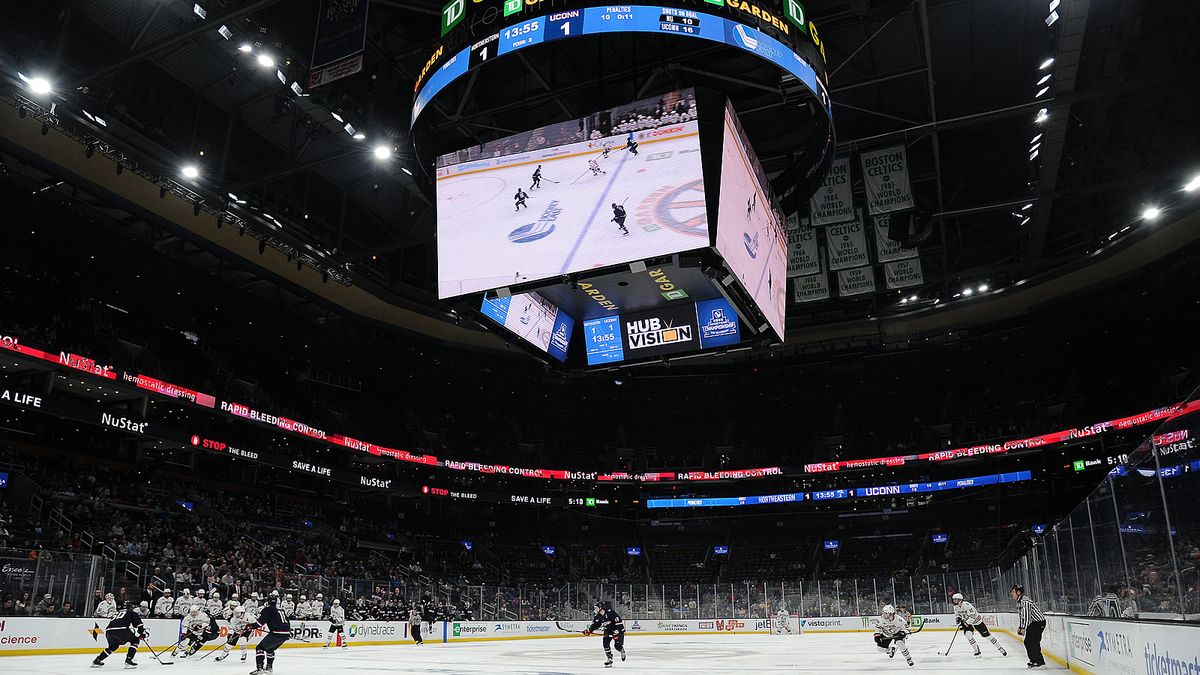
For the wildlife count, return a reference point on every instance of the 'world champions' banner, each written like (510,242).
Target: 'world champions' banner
(885,179)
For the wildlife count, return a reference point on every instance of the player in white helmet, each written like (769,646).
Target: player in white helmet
(288,607)
(239,629)
(198,628)
(107,608)
(890,630)
(970,621)
(164,605)
(337,621)
(183,603)
(251,603)
(214,607)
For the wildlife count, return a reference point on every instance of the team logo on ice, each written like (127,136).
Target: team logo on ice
(751,244)
(537,230)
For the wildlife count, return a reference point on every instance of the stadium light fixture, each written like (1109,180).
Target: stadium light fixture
(1151,213)
(1041,92)
(1035,146)
(1033,155)
(1047,63)
(245,48)
(38,85)
(967,292)
(405,170)
(1035,139)
(266,61)
(360,136)
(1042,116)
(1027,206)
(190,171)
(1045,79)
(1053,17)
(1023,222)
(224,32)
(1193,184)
(382,152)
(983,288)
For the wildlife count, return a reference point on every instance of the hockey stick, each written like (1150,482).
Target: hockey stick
(947,652)
(567,630)
(157,657)
(208,654)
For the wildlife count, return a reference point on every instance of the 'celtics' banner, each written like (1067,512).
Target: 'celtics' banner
(885,179)
(886,249)
(810,288)
(856,281)
(802,248)
(847,244)
(903,273)
(833,201)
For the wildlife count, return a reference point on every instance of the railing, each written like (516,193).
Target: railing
(1136,536)
(66,577)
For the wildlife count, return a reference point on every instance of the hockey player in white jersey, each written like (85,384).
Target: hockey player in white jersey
(317,607)
(302,608)
(198,628)
(783,624)
(239,624)
(230,608)
(970,621)
(287,607)
(165,605)
(183,603)
(215,608)
(890,630)
(251,604)
(107,608)
(337,620)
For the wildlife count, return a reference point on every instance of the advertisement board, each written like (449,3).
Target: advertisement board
(534,319)
(718,323)
(1093,646)
(751,234)
(621,185)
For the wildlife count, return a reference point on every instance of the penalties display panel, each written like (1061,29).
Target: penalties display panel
(571,197)
(666,331)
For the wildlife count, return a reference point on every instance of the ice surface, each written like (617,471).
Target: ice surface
(726,654)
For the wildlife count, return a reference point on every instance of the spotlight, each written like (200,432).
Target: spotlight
(1045,79)
(1051,19)
(1193,184)
(967,292)
(360,136)
(1035,139)
(190,171)
(245,48)
(1042,116)
(1041,92)
(405,170)
(1151,213)
(982,288)
(1047,63)
(40,86)
(1027,206)
(266,61)
(382,152)
(913,299)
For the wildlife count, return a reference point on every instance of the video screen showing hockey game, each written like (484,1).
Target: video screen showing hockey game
(534,319)
(750,228)
(619,185)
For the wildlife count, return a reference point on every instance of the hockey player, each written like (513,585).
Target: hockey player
(106,608)
(607,149)
(520,198)
(783,619)
(230,608)
(614,630)
(238,629)
(594,166)
(198,628)
(317,607)
(143,609)
(969,621)
(891,628)
(251,603)
(302,608)
(1107,603)
(278,631)
(215,608)
(537,177)
(337,620)
(631,145)
(751,203)
(288,607)
(165,605)
(414,623)
(127,627)
(182,604)
(619,217)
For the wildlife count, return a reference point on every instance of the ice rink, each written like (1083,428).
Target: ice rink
(484,242)
(810,653)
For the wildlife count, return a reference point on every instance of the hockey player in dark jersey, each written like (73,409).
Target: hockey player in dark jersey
(278,631)
(520,198)
(619,217)
(614,630)
(537,177)
(631,145)
(126,628)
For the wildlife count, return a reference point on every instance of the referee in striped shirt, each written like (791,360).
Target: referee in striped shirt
(1031,624)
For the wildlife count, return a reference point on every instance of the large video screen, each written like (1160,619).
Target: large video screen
(660,332)
(751,236)
(620,185)
(533,319)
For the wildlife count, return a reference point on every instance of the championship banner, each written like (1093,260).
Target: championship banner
(811,288)
(833,202)
(803,255)
(887,250)
(885,178)
(903,273)
(340,41)
(856,281)
(847,244)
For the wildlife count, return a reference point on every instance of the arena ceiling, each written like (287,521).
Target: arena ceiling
(956,81)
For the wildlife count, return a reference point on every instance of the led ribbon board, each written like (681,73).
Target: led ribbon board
(474,33)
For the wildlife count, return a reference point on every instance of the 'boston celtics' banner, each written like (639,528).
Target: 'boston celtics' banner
(903,273)
(847,244)
(887,250)
(856,281)
(885,179)
(810,288)
(802,248)
(833,202)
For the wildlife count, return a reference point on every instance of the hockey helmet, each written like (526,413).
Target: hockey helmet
(336,601)
(254,595)
(216,595)
(195,609)
(108,596)
(956,598)
(166,591)
(320,596)
(303,598)
(289,596)
(199,591)
(232,603)
(239,610)
(889,611)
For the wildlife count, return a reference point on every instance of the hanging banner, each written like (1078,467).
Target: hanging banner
(847,244)
(833,202)
(810,288)
(856,281)
(340,41)
(885,179)
(903,273)
(887,250)
(802,248)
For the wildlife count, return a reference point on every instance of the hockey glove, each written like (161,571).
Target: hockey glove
(587,631)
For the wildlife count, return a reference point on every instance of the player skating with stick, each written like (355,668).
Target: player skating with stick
(594,166)
(127,627)
(631,145)
(891,627)
(969,621)
(537,177)
(619,217)
(520,198)
(614,630)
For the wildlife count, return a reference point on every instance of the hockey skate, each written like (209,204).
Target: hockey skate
(97,664)
(910,663)
(1002,652)
(891,652)
(622,654)
(129,665)
(608,662)
(222,657)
